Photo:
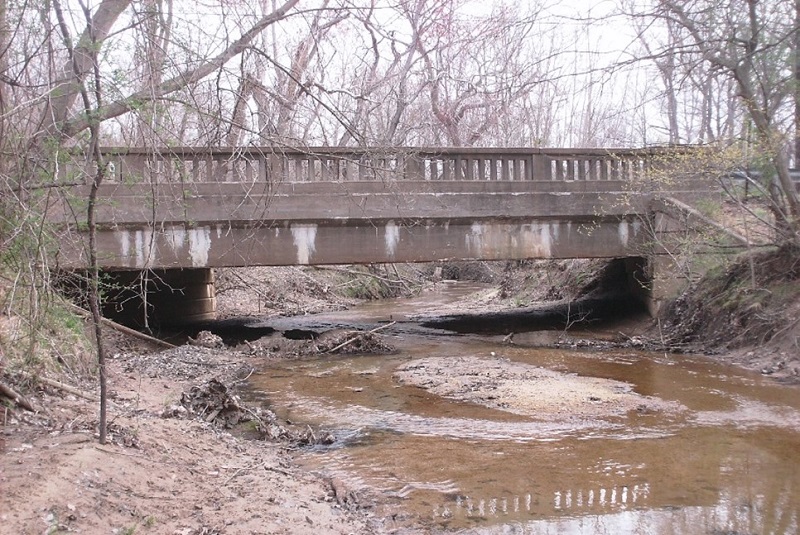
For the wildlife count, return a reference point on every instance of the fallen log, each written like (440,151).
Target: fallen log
(61,386)
(121,328)
(17,399)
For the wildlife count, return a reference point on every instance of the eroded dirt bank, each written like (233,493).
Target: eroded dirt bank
(745,312)
(164,469)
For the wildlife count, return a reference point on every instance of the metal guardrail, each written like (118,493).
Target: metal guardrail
(744,174)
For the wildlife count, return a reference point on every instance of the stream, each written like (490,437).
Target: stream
(726,462)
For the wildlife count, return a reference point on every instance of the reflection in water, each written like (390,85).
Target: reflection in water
(728,464)
(354,416)
(580,501)
(619,510)
(714,521)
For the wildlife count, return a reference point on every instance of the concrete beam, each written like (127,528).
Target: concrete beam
(254,204)
(344,242)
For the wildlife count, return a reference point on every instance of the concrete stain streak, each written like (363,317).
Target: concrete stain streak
(623,233)
(176,238)
(199,246)
(627,230)
(305,237)
(392,237)
(125,243)
(143,240)
(512,241)
(135,248)
(537,239)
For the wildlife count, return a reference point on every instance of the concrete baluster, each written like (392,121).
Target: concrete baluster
(493,165)
(469,169)
(560,166)
(616,172)
(458,167)
(604,169)
(275,170)
(482,168)
(506,169)
(528,168)
(134,167)
(219,164)
(517,168)
(571,174)
(363,167)
(413,167)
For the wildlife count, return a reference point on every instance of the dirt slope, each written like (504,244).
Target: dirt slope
(746,313)
(156,475)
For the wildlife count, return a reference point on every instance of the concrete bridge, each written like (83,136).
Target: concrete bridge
(175,211)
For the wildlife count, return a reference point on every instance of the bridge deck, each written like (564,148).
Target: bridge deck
(256,206)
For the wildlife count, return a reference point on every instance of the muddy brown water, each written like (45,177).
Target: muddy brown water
(727,464)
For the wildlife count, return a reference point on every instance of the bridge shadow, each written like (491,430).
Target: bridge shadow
(614,295)
(594,311)
(589,311)
(233,331)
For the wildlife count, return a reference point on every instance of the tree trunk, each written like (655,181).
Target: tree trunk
(66,88)
(97,180)
(4,43)
(70,127)
(796,50)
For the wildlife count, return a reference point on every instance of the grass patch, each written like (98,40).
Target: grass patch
(39,333)
(741,304)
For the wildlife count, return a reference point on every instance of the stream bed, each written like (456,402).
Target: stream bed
(711,449)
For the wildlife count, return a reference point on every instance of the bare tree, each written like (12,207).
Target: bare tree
(58,93)
(751,45)
(68,125)
(154,21)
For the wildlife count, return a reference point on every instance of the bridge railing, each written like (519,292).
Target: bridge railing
(318,164)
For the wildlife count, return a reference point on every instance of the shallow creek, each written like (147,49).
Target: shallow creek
(728,461)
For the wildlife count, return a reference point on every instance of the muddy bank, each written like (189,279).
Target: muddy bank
(169,467)
(746,312)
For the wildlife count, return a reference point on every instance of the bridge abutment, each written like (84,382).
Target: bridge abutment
(163,297)
(665,281)
(675,235)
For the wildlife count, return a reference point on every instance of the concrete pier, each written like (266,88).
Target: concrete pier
(163,297)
